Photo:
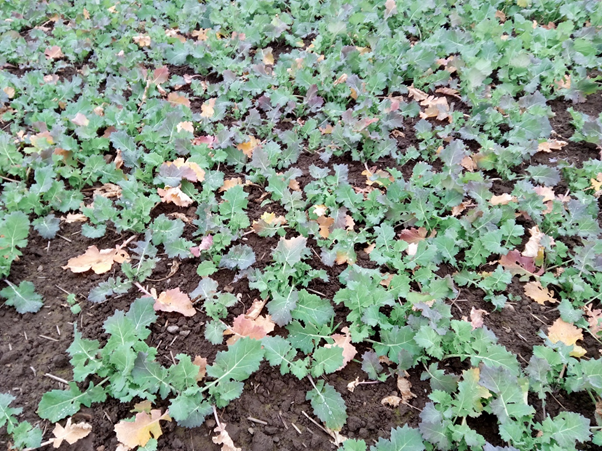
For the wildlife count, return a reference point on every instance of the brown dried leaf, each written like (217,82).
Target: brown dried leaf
(413,235)
(417,94)
(538,293)
(436,107)
(53,52)
(458,209)
(267,221)
(98,261)
(325,225)
(343,257)
(201,34)
(568,334)
(247,327)
(186,126)
(294,185)
(533,248)
(344,342)
(224,439)
(174,301)
(256,307)
(476,317)
(392,401)
(546,192)
(390,8)
(174,195)
(468,163)
(138,432)
(404,386)
(142,40)
(71,433)
(594,319)
(75,217)
(516,263)
(160,75)
(502,199)
(108,190)
(268,56)
(208,108)
(230,183)
(176,99)
(550,145)
(351,386)
(201,362)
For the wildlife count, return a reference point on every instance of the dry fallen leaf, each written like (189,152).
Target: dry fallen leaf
(568,334)
(80,120)
(191,171)
(550,145)
(75,217)
(174,195)
(201,362)
(413,235)
(208,108)
(392,401)
(256,308)
(246,327)
(268,57)
(538,293)
(502,199)
(143,406)
(476,317)
(594,319)
(230,183)
(325,225)
(404,386)
(53,52)
(174,301)
(142,40)
(351,386)
(533,248)
(108,190)
(9,91)
(248,147)
(176,99)
(268,221)
(468,163)
(186,126)
(344,342)
(224,439)
(71,433)
(516,263)
(390,8)
(99,261)
(138,432)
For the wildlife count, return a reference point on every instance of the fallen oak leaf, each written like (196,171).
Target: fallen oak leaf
(256,308)
(174,301)
(325,226)
(594,319)
(70,433)
(246,327)
(538,293)
(249,146)
(176,99)
(208,108)
(138,432)
(405,388)
(186,126)
(392,401)
(100,261)
(476,317)
(142,40)
(54,52)
(516,263)
(550,145)
(502,199)
(230,183)
(80,120)
(201,362)
(224,439)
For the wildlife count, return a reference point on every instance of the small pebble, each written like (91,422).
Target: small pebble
(210,423)
(275,439)
(251,431)
(184,333)
(173,329)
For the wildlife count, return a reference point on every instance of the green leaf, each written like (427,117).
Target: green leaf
(26,436)
(394,340)
(290,251)
(47,226)
(510,401)
(352,444)
(142,314)
(328,405)
(84,356)
(7,414)
(279,351)
(240,361)
(566,429)
(280,307)
(240,256)
(311,308)
(189,408)
(58,404)
(327,360)
(23,297)
(402,439)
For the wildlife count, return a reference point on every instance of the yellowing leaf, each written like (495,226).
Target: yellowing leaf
(248,147)
(53,52)
(138,432)
(268,221)
(174,195)
(98,261)
(568,334)
(224,439)
(176,99)
(71,433)
(268,57)
(538,293)
(325,225)
(344,342)
(207,108)
(9,91)
(174,301)
(142,40)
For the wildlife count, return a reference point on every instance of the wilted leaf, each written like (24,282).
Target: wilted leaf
(174,195)
(538,293)
(268,223)
(174,301)
(71,433)
(100,261)
(344,342)
(568,334)
(176,99)
(138,432)
(224,439)
(413,235)
(53,52)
